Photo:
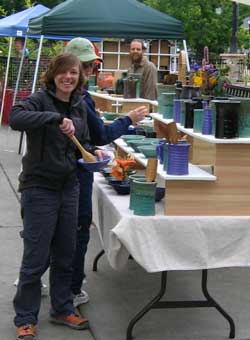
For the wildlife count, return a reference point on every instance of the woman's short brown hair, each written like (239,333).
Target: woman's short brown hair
(61,64)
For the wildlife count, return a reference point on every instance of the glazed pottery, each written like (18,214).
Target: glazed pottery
(189,91)
(130,87)
(177,110)
(132,198)
(207,121)
(178,156)
(94,166)
(159,194)
(110,115)
(198,120)
(149,151)
(227,118)
(190,105)
(132,136)
(244,117)
(144,199)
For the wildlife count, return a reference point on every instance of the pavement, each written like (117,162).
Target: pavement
(116,296)
(11,247)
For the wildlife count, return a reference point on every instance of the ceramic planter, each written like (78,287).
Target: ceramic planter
(207,121)
(144,198)
(244,117)
(132,198)
(227,118)
(178,156)
(177,110)
(198,120)
(189,91)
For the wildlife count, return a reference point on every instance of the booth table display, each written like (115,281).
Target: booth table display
(161,243)
(108,103)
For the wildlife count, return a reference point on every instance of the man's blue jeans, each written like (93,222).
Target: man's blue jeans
(49,236)
(84,221)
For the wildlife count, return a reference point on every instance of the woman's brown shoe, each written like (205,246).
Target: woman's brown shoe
(26,332)
(73,321)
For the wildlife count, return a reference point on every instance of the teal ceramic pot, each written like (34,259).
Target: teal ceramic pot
(110,115)
(244,117)
(93,88)
(149,151)
(198,120)
(162,109)
(213,108)
(134,137)
(144,199)
(161,88)
(166,97)
(136,143)
(92,81)
(183,112)
(165,156)
(132,198)
(169,103)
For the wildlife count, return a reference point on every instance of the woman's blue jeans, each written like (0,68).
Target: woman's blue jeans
(49,236)
(84,221)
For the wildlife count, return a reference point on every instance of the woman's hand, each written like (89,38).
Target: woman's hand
(67,127)
(100,154)
(137,114)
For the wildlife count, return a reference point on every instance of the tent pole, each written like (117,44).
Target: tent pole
(186,53)
(6,80)
(23,150)
(16,88)
(19,71)
(37,64)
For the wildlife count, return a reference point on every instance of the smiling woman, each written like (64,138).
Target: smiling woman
(49,193)
(64,75)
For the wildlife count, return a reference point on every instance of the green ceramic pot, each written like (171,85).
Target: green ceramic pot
(244,117)
(198,120)
(93,88)
(130,137)
(144,198)
(149,151)
(110,115)
(132,198)
(146,141)
(92,81)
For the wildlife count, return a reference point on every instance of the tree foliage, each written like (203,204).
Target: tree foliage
(202,26)
(13,6)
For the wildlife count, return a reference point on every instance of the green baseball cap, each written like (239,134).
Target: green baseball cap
(83,49)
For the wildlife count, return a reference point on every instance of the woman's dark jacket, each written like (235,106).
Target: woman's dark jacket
(50,159)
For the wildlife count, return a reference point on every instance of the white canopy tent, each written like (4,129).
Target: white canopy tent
(244,2)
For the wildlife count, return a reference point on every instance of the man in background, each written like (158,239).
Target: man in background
(19,46)
(145,68)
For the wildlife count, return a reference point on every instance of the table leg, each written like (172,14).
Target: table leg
(96,260)
(149,306)
(216,305)
(157,304)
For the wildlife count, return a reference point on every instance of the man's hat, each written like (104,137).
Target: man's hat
(83,49)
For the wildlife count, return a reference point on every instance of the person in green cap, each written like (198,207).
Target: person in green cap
(99,135)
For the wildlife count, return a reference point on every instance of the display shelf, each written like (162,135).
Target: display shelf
(229,195)
(106,102)
(200,136)
(195,173)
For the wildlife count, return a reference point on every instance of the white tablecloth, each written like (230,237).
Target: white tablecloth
(160,242)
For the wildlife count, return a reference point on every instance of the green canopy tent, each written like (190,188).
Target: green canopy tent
(104,19)
(107,18)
